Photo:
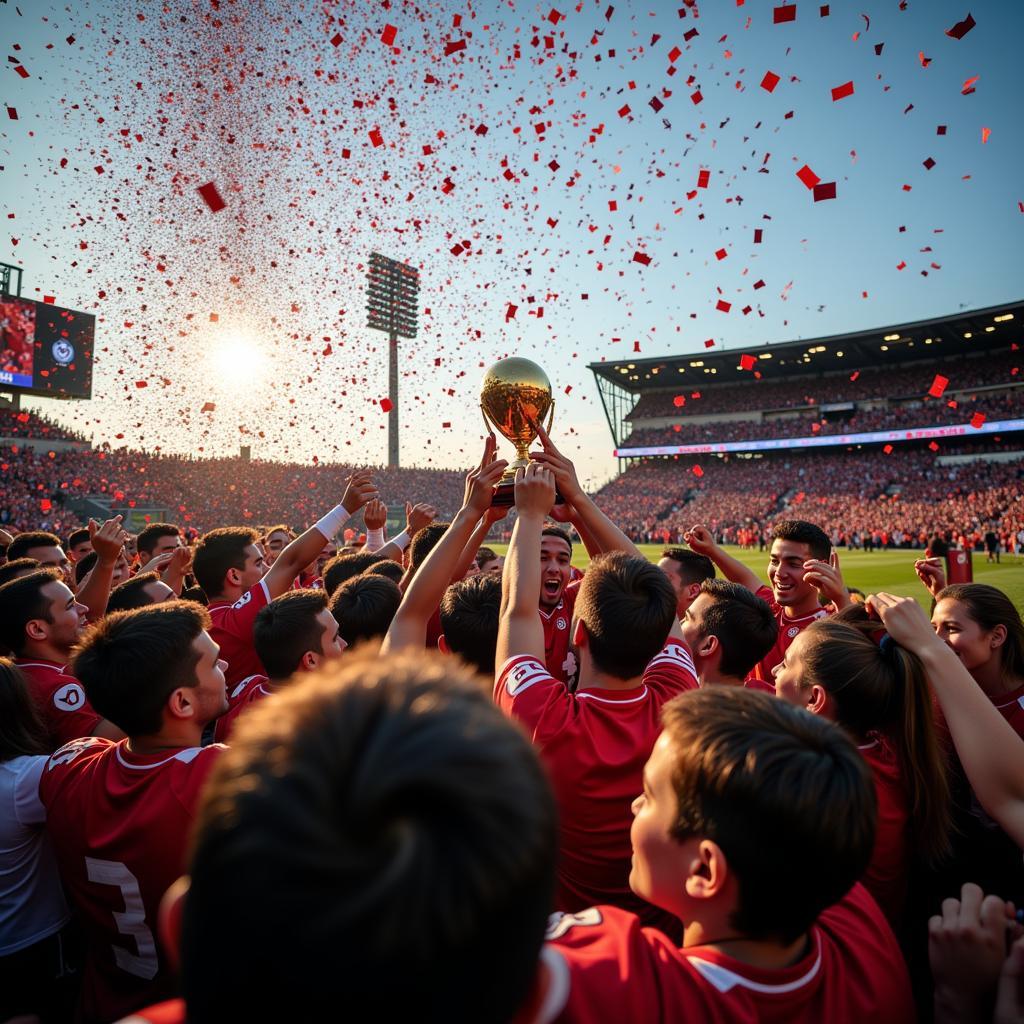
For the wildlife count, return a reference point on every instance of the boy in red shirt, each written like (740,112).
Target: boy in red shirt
(119,814)
(741,792)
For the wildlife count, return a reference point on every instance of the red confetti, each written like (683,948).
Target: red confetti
(336,39)
(376,138)
(807,176)
(49,299)
(454,47)
(697,471)
(142,383)
(674,54)
(961,28)
(12,113)
(887,449)
(696,97)
(968,86)
(208,407)
(758,235)
(977,420)
(385,405)
(642,258)
(934,447)
(709,343)
(769,81)
(679,401)
(783,14)
(387,37)
(45,504)
(510,312)
(624,111)
(211,197)
(747,362)
(703,178)
(22,71)
(929,164)
(722,306)
(721,254)
(826,190)
(840,92)
(938,386)
(985,133)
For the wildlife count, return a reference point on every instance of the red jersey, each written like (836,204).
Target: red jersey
(595,743)
(888,873)
(559,659)
(614,970)
(1011,707)
(788,631)
(232,632)
(244,695)
(171,1012)
(119,822)
(60,699)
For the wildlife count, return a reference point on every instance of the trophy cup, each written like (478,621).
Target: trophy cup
(516,395)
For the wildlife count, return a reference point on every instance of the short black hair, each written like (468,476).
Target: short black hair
(21,600)
(147,539)
(556,531)
(799,531)
(485,555)
(743,623)
(132,593)
(371,794)
(693,568)
(77,536)
(364,606)
(129,663)
(24,542)
(345,565)
(217,552)
(84,565)
(387,567)
(469,613)
(286,629)
(19,567)
(425,541)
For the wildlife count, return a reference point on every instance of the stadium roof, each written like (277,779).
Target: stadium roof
(980,330)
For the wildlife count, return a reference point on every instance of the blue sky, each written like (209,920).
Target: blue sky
(260,101)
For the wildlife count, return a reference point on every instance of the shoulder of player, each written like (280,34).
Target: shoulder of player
(673,659)
(523,672)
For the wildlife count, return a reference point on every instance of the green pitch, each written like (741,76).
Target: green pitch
(892,571)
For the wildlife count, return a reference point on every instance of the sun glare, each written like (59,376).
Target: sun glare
(237,362)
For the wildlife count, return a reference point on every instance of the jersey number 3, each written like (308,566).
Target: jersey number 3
(131,921)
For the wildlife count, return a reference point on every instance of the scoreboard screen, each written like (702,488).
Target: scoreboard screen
(45,349)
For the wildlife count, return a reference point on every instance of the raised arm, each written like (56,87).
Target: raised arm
(990,751)
(107,542)
(416,517)
(409,626)
(294,558)
(519,627)
(700,540)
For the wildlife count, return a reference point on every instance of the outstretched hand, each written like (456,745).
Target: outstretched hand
(375,515)
(932,573)
(560,465)
(904,620)
(359,489)
(418,516)
(481,481)
(699,539)
(534,490)
(108,539)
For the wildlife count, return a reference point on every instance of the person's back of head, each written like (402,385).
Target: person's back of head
(743,623)
(424,542)
(22,732)
(626,606)
(484,556)
(364,607)
(84,566)
(16,569)
(287,629)
(772,786)
(23,543)
(799,531)
(141,590)
(130,663)
(22,600)
(347,565)
(469,614)
(388,806)
(691,566)
(388,568)
(219,551)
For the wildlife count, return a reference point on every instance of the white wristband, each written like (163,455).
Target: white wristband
(333,522)
(402,540)
(374,539)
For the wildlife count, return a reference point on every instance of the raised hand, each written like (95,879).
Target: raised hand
(827,579)
(534,490)
(932,573)
(904,620)
(418,516)
(560,465)
(375,515)
(359,489)
(159,562)
(699,539)
(481,480)
(108,539)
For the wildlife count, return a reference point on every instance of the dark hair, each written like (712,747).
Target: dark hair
(19,567)
(217,552)
(346,565)
(555,531)
(364,606)
(147,539)
(627,606)
(386,567)
(990,607)
(771,784)
(801,532)
(129,663)
(693,568)
(21,601)
(743,623)
(76,537)
(485,555)
(469,620)
(132,593)
(84,566)
(24,542)
(883,688)
(22,732)
(286,629)
(375,793)
(424,541)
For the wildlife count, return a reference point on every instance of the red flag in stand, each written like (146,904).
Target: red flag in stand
(939,385)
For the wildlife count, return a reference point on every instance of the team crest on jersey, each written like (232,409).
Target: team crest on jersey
(559,924)
(243,600)
(560,623)
(69,697)
(792,632)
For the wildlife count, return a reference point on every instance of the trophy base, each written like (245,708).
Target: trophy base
(505,495)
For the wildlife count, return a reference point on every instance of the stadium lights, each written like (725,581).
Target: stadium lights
(892,337)
(767,355)
(697,362)
(1001,319)
(968,334)
(839,355)
(989,329)
(885,348)
(631,366)
(927,341)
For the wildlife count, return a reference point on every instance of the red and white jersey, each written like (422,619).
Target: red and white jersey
(612,969)
(789,629)
(232,631)
(170,1012)
(558,655)
(594,743)
(244,695)
(119,823)
(60,699)
(1011,707)
(888,874)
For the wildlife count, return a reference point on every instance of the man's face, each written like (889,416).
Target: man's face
(495,565)
(80,550)
(276,542)
(693,624)
(786,573)
(165,544)
(209,692)
(121,567)
(331,643)
(67,616)
(555,559)
(685,592)
(52,557)
(329,551)
(254,568)
(157,592)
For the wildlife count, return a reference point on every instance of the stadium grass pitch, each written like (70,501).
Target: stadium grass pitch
(891,571)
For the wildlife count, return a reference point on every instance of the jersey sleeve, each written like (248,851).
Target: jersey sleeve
(29,808)
(768,596)
(62,762)
(671,672)
(193,773)
(239,618)
(526,691)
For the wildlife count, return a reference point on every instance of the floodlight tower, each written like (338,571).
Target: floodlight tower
(391,293)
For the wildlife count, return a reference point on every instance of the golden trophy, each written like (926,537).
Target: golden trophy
(515,396)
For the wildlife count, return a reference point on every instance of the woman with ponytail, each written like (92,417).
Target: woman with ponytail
(878,692)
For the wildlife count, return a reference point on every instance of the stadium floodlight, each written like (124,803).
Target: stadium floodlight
(392,293)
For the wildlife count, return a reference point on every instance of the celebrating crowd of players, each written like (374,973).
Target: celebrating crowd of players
(265,777)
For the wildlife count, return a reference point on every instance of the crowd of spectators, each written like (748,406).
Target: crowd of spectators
(22,423)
